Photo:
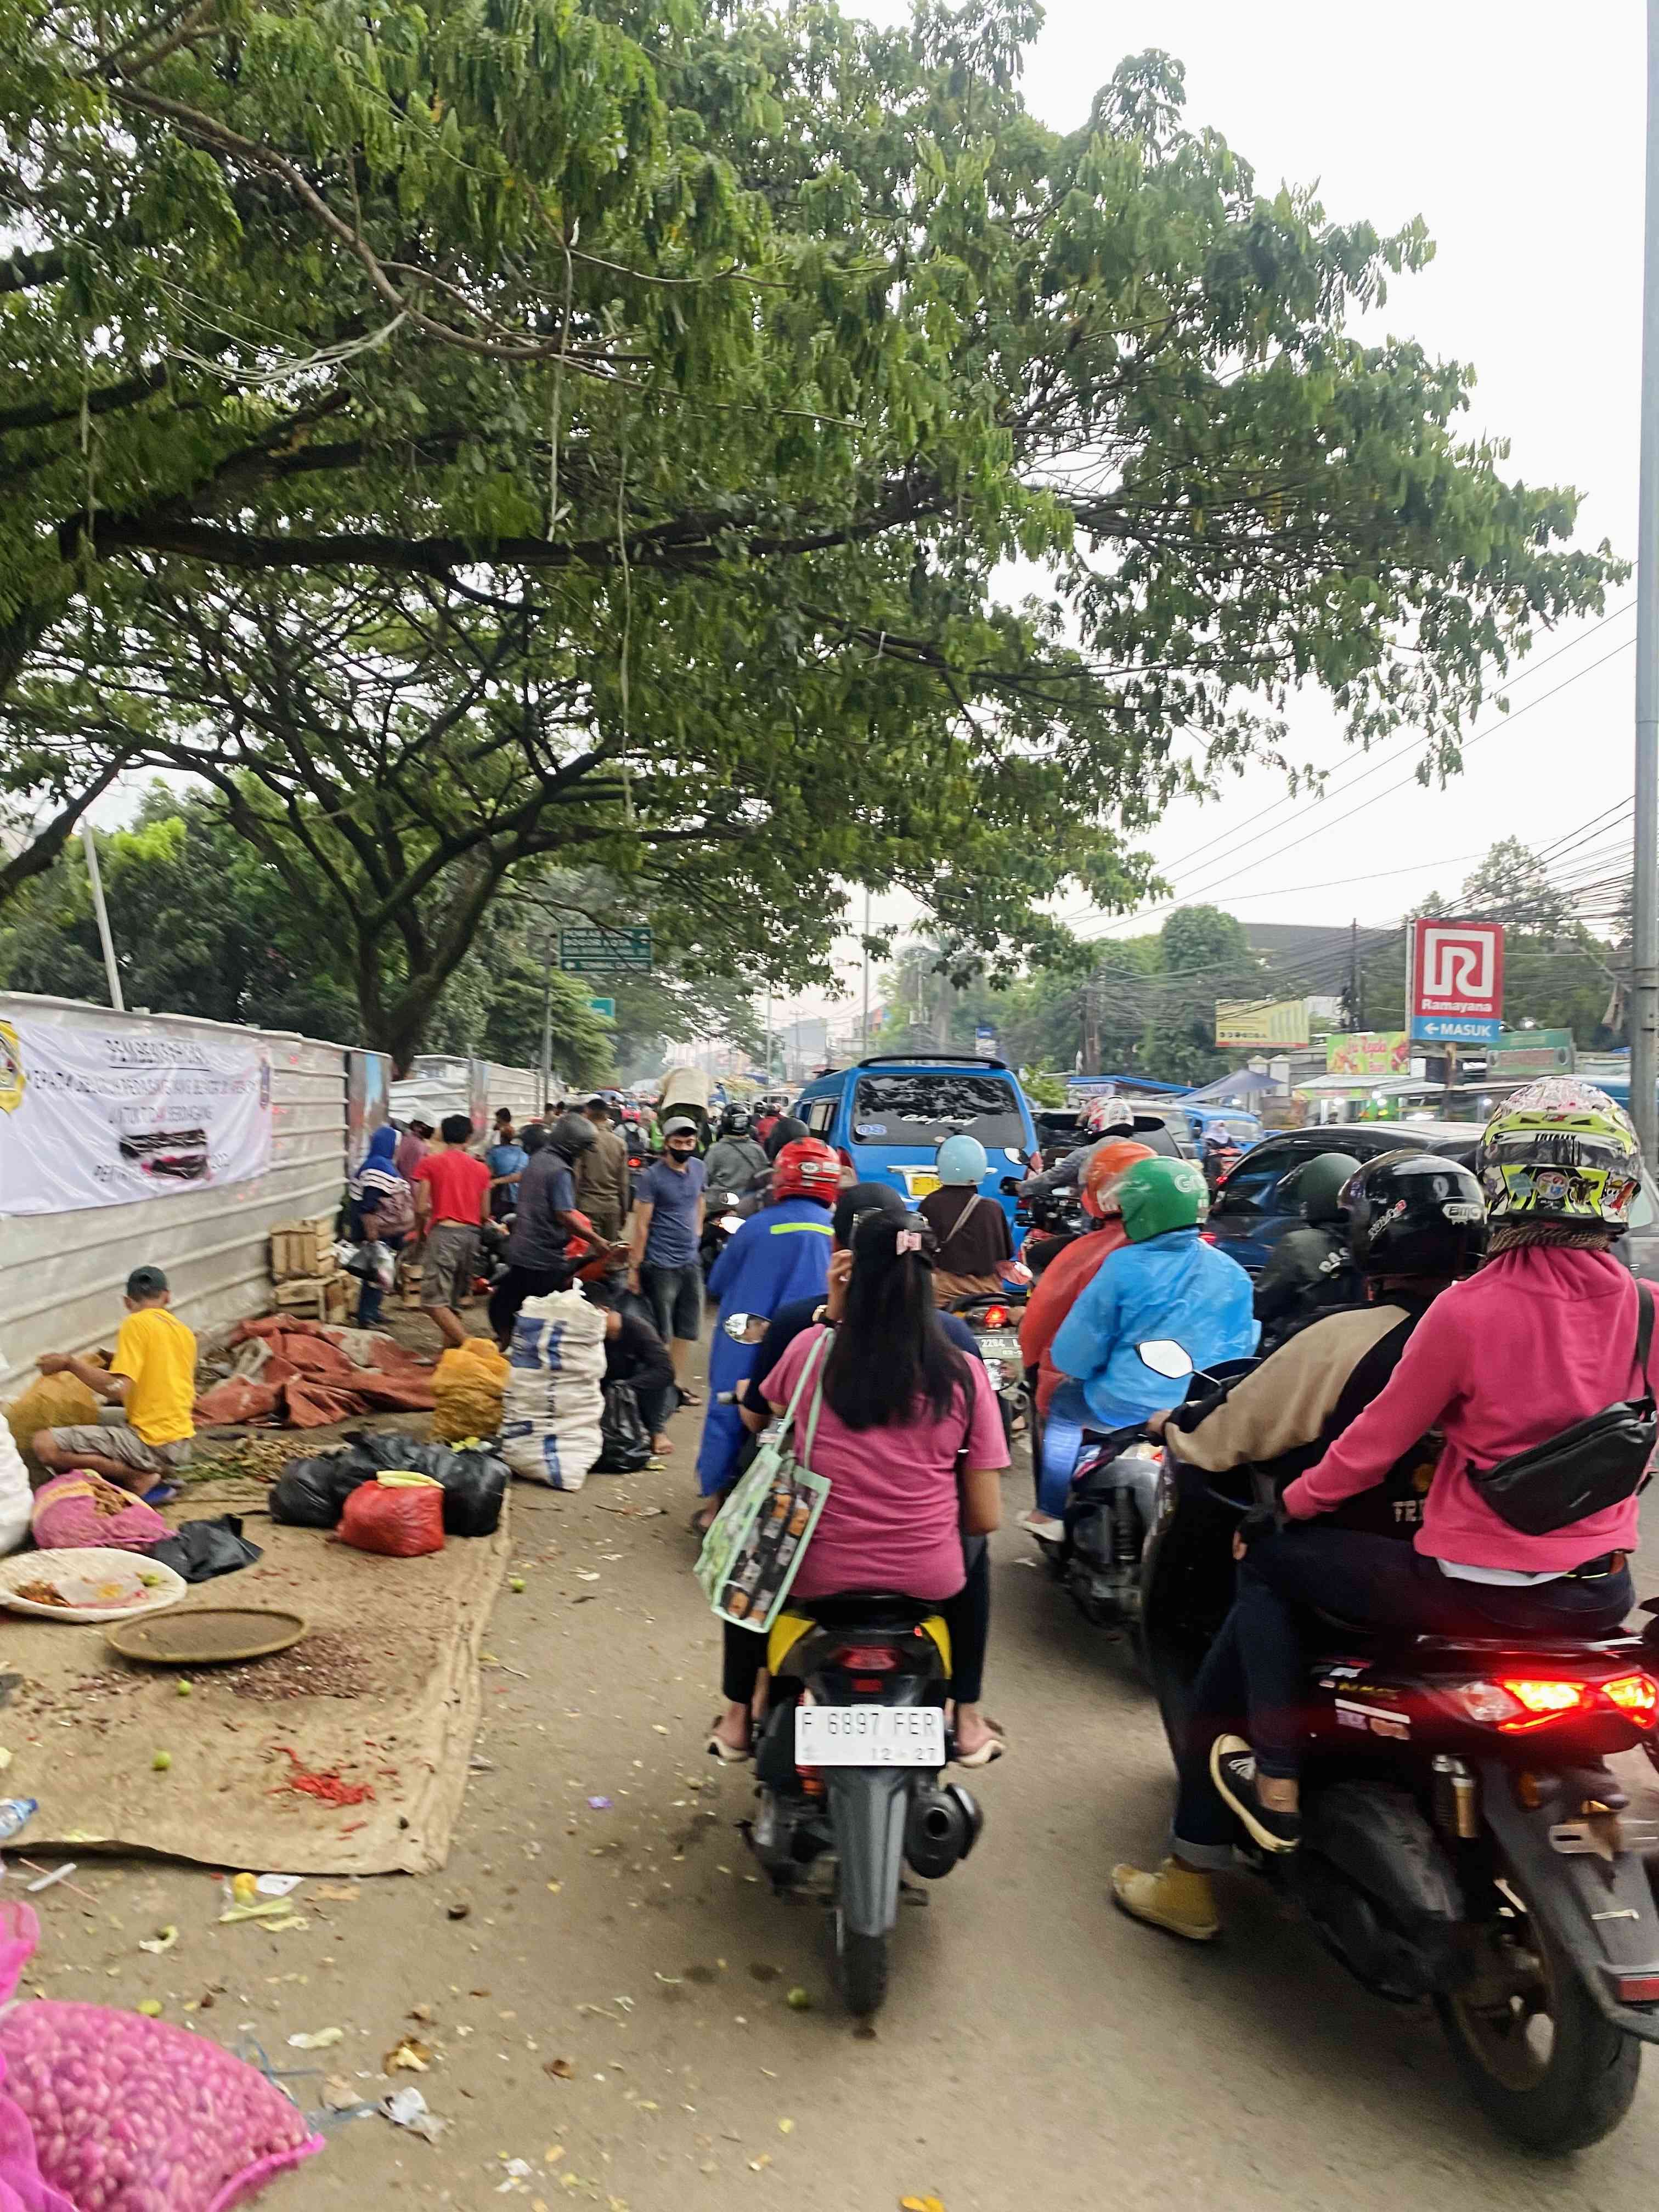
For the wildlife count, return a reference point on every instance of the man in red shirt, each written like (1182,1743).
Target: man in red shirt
(452,1188)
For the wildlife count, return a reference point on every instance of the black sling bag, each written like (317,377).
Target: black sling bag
(1598,1462)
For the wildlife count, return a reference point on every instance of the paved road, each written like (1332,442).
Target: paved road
(1038,2049)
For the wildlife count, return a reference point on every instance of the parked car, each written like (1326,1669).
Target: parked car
(888,1116)
(1252,1210)
(1245,1127)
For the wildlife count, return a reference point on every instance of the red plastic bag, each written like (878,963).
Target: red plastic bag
(399,1519)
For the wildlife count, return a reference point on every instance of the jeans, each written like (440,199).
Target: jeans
(967,1615)
(1256,1671)
(1062,1439)
(371,1298)
(675,1296)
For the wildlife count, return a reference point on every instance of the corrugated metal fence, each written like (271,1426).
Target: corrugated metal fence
(61,1275)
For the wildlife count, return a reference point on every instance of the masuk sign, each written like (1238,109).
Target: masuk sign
(1453,980)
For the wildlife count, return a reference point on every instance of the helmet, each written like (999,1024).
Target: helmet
(1104,1113)
(962,1160)
(1103,1170)
(806,1169)
(571,1133)
(1559,1150)
(1157,1195)
(1317,1186)
(1413,1213)
(734,1123)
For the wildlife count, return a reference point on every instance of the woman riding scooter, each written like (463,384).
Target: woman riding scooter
(1165,1282)
(1055,1291)
(1552,1331)
(974,1241)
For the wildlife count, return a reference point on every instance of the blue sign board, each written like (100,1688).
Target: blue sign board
(1454,1029)
(605,1007)
(985,1039)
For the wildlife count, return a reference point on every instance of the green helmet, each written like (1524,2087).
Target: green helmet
(1318,1188)
(1157,1195)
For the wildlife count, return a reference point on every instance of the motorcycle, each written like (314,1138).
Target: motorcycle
(995,1319)
(848,1767)
(720,1223)
(1463,1837)
(1050,1220)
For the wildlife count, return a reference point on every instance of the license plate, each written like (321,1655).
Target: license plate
(923,1186)
(999,1344)
(869,1736)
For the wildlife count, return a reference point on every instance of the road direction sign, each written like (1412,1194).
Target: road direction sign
(605,1007)
(591,951)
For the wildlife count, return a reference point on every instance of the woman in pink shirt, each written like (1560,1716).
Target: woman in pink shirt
(1543,1336)
(902,1407)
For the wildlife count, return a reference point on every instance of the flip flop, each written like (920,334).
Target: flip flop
(987,1755)
(163,1494)
(689,1397)
(727,1753)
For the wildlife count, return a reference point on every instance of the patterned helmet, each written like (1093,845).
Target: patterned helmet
(1105,1169)
(806,1169)
(1559,1150)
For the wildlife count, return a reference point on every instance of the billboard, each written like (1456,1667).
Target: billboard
(1453,980)
(1369,1052)
(1260,1025)
(1530,1052)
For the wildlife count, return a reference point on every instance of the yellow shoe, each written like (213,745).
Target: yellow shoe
(1176,1897)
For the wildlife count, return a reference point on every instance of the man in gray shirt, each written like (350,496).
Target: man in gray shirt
(543,1225)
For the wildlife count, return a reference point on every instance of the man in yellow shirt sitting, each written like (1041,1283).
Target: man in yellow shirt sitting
(150,1388)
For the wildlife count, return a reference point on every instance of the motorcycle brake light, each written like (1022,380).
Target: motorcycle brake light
(1207,1236)
(1636,1697)
(1540,1700)
(1638,1989)
(995,1317)
(866,1659)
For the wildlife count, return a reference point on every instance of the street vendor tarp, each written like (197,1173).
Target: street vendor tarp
(382,1694)
(292,1374)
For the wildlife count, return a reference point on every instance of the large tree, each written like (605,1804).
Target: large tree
(659,399)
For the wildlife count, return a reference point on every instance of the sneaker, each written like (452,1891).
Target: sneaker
(1036,1522)
(1176,1898)
(1232,1769)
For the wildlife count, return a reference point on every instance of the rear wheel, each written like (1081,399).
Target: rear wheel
(1543,2064)
(860,1968)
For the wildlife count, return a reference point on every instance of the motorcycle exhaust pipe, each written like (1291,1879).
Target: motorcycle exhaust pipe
(942,1827)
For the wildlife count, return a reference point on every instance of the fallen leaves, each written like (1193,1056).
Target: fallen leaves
(410,2057)
(323,2039)
(156,1945)
(561,2069)
(919,2205)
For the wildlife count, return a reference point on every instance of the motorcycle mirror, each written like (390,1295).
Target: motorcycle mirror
(1166,1358)
(1009,1185)
(745,1329)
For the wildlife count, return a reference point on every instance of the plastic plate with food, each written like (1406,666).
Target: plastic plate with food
(90,1583)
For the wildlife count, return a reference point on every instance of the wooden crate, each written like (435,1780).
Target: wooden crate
(302,1250)
(338,1299)
(307,1295)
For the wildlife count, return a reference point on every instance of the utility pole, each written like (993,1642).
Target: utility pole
(1644,950)
(1354,974)
(768,1077)
(547,1025)
(864,1048)
(113,974)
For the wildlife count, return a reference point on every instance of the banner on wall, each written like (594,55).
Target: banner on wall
(1369,1052)
(92,1117)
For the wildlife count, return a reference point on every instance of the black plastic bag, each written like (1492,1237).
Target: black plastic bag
(311,1493)
(199,1550)
(624,1439)
(474,1482)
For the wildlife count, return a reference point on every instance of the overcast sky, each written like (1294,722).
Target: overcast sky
(1515,130)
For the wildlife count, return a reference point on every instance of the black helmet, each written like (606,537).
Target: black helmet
(734,1123)
(571,1134)
(1317,1186)
(1413,1213)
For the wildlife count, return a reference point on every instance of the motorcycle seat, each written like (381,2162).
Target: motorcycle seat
(1424,1646)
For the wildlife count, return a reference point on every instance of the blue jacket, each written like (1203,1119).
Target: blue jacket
(1175,1286)
(780,1253)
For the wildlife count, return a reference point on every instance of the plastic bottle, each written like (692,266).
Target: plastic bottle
(15,1814)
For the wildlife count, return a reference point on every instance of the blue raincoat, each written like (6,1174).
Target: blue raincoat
(780,1253)
(1175,1286)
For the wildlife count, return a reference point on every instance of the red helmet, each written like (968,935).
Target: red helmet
(806,1169)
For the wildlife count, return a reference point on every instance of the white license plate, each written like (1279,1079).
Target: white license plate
(869,1736)
(999,1344)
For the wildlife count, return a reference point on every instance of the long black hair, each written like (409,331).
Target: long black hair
(891,1355)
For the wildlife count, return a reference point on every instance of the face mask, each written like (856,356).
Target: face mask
(682,1151)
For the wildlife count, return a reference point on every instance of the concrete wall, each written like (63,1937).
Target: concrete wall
(61,1275)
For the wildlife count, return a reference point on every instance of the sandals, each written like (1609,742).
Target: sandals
(727,1753)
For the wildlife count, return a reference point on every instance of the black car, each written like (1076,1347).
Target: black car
(1252,1211)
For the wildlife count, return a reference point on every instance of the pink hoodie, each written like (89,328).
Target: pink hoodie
(1540,1338)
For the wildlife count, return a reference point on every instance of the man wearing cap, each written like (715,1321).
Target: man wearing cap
(667,1228)
(151,1390)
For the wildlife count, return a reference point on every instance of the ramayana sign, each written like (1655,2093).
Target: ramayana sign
(92,1117)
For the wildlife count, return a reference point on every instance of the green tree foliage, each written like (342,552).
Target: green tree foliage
(644,404)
